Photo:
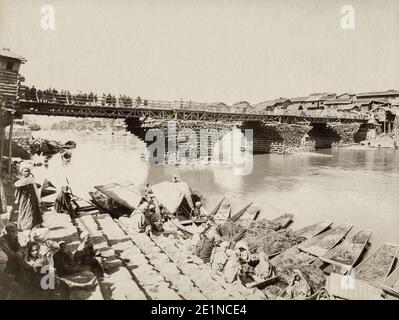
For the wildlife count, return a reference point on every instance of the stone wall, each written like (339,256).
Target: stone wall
(346,131)
(276,137)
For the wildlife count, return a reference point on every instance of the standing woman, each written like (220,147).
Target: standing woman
(27,196)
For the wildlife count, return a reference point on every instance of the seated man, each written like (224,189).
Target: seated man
(10,246)
(140,218)
(198,213)
(204,247)
(64,203)
(86,255)
(219,256)
(164,213)
(154,219)
(64,261)
(148,194)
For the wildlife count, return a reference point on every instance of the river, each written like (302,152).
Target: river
(356,186)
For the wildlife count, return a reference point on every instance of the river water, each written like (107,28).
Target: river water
(356,186)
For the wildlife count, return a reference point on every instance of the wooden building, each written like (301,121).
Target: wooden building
(10,63)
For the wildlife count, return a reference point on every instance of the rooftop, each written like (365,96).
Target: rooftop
(5,52)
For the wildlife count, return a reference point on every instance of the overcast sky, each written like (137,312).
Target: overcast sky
(206,50)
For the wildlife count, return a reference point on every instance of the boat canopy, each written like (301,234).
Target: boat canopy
(126,193)
(171,194)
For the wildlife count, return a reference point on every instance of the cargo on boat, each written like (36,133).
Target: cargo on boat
(376,267)
(346,254)
(321,244)
(391,284)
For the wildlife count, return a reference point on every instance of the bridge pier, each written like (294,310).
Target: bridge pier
(189,140)
(348,133)
(276,137)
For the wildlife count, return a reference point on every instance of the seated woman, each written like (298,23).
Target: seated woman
(32,267)
(298,287)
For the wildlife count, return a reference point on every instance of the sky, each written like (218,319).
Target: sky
(206,51)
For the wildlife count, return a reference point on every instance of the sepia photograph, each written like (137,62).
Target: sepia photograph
(200,150)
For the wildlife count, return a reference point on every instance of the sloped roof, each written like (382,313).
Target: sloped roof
(5,52)
(368,101)
(298,99)
(294,107)
(271,103)
(241,103)
(379,93)
(338,101)
(319,96)
(348,107)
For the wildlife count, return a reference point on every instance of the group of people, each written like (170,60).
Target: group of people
(231,259)
(65,97)
(23,268)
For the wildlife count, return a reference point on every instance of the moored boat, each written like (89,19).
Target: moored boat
(321,244)
(376,267)
(238,215)
(314,229)
(345,255)
(391,284)
(117,199)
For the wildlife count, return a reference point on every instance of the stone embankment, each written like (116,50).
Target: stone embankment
(141,267)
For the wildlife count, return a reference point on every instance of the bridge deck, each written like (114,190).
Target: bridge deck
(180,111)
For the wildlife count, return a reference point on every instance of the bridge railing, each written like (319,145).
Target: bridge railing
(92,100)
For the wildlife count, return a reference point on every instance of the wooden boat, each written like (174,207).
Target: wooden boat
(238,215)
(321,295)
(188,234)
(102,203)
(283,221)
(216,208)
(276,260)
(47,189)
(314,229)
(376,267)
(249,216)
(391,284)
(261,284)
(321,244)
(346,254)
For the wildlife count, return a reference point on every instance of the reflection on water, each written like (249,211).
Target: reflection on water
(355,186)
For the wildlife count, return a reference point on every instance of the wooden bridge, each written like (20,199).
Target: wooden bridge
(178,110)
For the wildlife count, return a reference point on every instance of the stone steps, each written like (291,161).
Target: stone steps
(189,275)
(119,285)
(152,281)
(142,267)
(62,229)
